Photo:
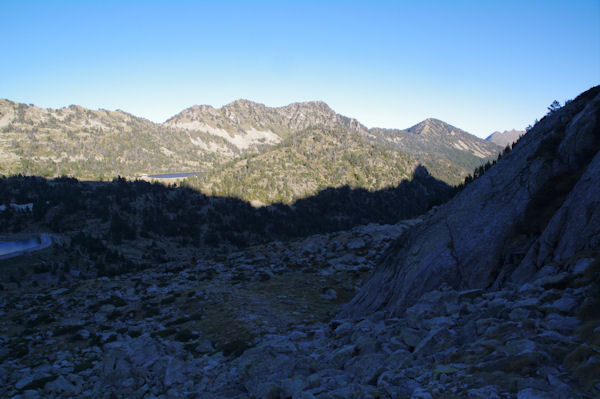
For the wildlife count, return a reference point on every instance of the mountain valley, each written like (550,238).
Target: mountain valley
(312,257)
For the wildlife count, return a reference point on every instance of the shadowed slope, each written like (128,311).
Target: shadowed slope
(490,232)
(125,225)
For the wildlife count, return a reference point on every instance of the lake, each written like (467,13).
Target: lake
(174,175)
(13,248)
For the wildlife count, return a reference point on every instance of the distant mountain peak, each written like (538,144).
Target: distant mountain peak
(244,105)
(313,103)
(201,107)
(432,126)
(242,102)
(506,137)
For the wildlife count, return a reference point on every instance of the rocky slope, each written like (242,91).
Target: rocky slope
(510,222)
(306,163)
(448,152)
(98,144)
(445,150)
(506,137)
(175,329)
(257,324)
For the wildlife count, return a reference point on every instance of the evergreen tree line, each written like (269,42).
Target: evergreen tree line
(129,209)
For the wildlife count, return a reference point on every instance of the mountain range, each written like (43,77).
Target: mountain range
(298,149)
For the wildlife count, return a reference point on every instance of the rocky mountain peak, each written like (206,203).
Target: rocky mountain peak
(243,105)
(506,137)
(432,126)
(314,106)
(195,112)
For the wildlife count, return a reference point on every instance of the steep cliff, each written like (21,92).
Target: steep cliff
(537,207)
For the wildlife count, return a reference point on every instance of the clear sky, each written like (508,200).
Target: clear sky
(479,65)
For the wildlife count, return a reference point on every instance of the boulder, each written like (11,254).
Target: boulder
(356,243)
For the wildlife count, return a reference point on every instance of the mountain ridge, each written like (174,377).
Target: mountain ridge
(102,144)
(310,161)
(448,152)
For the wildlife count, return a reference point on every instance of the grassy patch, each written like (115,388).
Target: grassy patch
(113,300)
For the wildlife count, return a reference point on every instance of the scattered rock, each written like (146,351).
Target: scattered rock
(530,393)
(205,346)
(582,265)
(356,243)
(330,294)
(471,343)
(564,304)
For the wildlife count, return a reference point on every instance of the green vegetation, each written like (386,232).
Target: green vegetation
(110,228)
(96,145)
(246,149)
(305,164)
(447,152)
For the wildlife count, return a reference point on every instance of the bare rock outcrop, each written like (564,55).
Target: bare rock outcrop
(538,205)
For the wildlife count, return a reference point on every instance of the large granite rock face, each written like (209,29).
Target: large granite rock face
(538,204)
(574,227)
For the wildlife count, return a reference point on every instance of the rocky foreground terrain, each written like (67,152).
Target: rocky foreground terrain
(259,323)
(186,327)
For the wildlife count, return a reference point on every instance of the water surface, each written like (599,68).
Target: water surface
(173,175)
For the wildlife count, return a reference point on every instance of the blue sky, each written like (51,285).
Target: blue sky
(479,65)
